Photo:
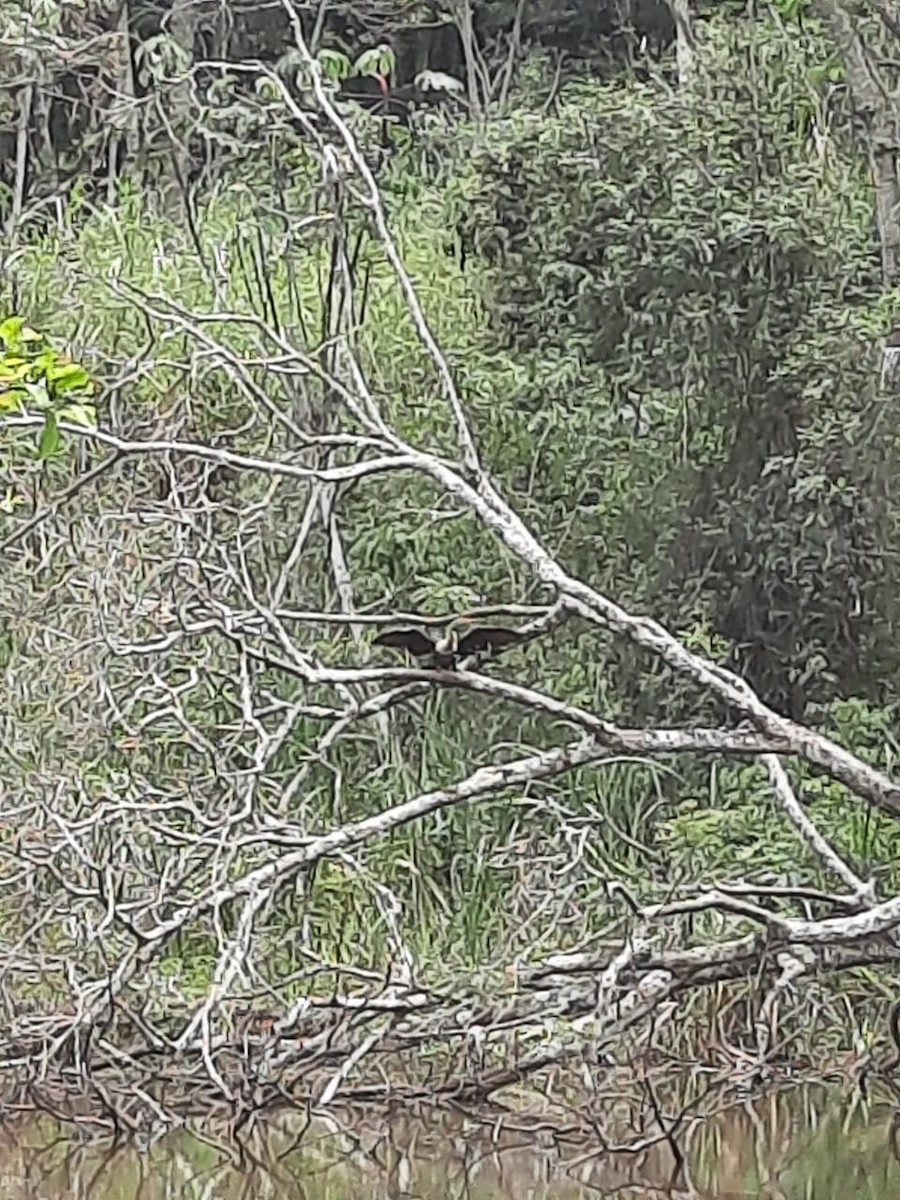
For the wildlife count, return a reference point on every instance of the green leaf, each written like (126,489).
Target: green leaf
(80,414)
(11,399)
(9,501)
(38,394)
(790,9)
(13,370)
(379,60)
(334,64)
(10,330)
(68,376)
(267,89)
(50,440)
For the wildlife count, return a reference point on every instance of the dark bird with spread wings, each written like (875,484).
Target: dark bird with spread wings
(445,653)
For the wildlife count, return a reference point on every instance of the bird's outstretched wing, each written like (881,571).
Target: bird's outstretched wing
(416,643)
(487,637)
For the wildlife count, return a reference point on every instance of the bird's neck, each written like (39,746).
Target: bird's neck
(448,643)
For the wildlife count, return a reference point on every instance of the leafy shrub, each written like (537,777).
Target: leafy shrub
(712,286)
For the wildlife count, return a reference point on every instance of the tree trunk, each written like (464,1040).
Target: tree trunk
(685,40)
(181,26)
(873,104)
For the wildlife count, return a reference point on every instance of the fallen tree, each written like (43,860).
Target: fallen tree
(190,779)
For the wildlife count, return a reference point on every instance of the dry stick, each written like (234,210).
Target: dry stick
(483,498)
(820,751)
(879,919)
(478,612)
(482,782)
(466,441)
(288,866)
(865,892)
(486,780)
(228,458)
(859,777)
(291,562)
(407,691)
(514,40)
(793,966)
(53,506)
(633,741)
(193,324)
(228,966)
(344,1071)
(25,104)
(625,740)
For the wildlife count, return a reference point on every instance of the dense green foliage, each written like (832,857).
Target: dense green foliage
(711,282)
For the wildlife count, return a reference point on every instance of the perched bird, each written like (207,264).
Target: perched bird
(445,653)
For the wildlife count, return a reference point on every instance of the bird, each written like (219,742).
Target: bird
(445,653)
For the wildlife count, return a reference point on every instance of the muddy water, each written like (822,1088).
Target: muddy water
(804,1145)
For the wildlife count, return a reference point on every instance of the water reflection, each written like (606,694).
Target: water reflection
(809,1145)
